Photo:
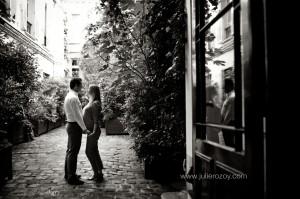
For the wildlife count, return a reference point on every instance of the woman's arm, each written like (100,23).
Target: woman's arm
(96,110)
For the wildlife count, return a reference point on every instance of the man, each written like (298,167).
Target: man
(75,128)
(228,112)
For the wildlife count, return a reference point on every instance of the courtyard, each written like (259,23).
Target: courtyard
(38,170)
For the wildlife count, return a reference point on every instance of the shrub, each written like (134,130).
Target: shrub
(58,89)
(28,130)
(149,59)
(43,107)
(114,99)
(47,103)
(18,80)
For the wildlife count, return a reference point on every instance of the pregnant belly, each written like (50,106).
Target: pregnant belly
(88,122)
(90,125)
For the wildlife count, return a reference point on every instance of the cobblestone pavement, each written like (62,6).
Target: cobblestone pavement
(38,168)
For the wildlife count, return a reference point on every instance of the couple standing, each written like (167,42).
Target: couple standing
(225,115)
(86,121)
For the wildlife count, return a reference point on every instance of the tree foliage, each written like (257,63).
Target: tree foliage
(3,9)
(144,45)
(18,80)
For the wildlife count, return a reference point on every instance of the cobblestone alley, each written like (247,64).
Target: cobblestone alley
(38,168)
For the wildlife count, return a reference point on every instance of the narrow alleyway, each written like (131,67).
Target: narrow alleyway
(39,170)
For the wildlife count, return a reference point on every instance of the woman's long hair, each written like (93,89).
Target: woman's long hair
(96,91)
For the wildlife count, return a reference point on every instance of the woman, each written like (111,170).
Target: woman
(91,118)
(213,114)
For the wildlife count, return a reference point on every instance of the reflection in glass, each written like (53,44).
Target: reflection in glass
(215,135)
(220,84)
(219,72)
(212,114)
(213,7)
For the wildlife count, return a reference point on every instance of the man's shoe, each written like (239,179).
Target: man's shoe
(78,176)
(99,178)
(75,182)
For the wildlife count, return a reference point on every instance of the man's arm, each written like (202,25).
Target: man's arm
(77,111)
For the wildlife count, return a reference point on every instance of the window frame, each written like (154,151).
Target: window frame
(201,27)
(75,61)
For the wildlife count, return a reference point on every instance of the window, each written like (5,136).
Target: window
(227,32)
(12,8)
(219,115)
(45,26)
(29,26)
(46,75)
(75,72)
(74,62)
(30,16)
(227,21)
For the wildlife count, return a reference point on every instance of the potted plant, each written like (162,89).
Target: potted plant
(113,126)
(112,111)
(157,128)
(21,131)
(37,114)
(51,114)
(18,80)
(57,90)
(162,155)
(5,158)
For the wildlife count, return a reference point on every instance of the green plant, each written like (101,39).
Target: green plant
(114,98)
(3,9)
(3,139)
(43,107)
(28,130)
(148,45)
(18,80)
(56,90)
(47,103)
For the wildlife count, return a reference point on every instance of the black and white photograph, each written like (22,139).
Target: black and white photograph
(137,99)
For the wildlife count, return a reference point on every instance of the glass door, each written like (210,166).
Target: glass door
(226,120)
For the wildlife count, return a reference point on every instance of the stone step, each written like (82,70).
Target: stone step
(176,195)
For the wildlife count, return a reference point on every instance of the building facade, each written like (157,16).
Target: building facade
(79,14)
(39,24)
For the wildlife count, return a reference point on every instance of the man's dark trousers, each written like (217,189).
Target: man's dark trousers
(74,142)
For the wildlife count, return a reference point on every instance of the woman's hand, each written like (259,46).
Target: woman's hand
(86,131)
(91,134)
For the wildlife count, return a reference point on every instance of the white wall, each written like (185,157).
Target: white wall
(79,15)
(31,15)
(54,64)
(21,13)
(56,36)
(40,21)
(45,66)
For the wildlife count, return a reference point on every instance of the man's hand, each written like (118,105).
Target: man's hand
(86,132)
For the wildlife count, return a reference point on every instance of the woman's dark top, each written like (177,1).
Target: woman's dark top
(91,116)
